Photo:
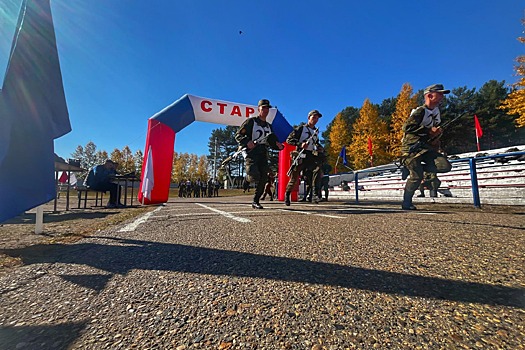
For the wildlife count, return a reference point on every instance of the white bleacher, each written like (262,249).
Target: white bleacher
(499,183)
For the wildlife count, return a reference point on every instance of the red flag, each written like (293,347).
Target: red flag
(370,146)
(479,132)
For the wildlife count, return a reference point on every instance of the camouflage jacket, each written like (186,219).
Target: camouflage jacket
(417,127)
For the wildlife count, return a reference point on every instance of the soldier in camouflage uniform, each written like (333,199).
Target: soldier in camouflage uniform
(418,154)
(306,137)
(256,160)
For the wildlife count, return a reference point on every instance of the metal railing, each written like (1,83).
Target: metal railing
(472,161)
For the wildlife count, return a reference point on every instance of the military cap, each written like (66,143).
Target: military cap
(436,88)
(313,112)
(264,103)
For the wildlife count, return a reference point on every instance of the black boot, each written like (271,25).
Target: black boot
(433,193)
(257,205)
(287,198)
(407,201)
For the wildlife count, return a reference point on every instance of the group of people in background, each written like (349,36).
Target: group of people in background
(199,188)
(421,157)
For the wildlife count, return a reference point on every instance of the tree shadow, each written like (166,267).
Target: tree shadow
(146,255)
(40,337)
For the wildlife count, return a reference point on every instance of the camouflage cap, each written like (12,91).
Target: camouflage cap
(313,112)
(264,103)
(436,88)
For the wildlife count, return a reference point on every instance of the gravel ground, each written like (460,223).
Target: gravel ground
(219,275)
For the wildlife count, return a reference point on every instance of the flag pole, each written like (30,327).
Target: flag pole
(336,162)
(477,140)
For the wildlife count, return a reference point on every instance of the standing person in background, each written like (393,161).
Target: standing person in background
(431,182)
(216,187)
(306,137)
(99,179)
(419,155)
(250,136)
(325,181)
(268,186)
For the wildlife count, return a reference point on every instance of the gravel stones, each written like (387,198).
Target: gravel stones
(288,280)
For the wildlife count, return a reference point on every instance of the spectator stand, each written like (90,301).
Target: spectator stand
(491,177)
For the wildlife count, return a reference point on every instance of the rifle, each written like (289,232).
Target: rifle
(418,146)
(295,161)
(241,150)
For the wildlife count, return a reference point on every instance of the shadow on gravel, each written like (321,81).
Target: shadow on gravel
(40,337)
(29,218)
(145,255)
(470,223)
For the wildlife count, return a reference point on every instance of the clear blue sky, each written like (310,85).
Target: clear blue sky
(124,60)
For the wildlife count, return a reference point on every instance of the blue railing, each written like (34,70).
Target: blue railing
(473,173)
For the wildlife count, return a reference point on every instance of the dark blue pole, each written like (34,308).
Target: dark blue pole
(474,181)
(356,188)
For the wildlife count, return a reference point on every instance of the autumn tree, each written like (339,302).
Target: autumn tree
(405,102)
(202,168)
(180,167)
(514,104)
(124,159)
(89,156)
(369,125)
(349,115)
(138,159)
(339,136)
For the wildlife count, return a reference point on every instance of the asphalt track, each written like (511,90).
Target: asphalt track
(213,273)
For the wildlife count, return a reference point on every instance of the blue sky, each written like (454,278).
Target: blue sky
(124,60)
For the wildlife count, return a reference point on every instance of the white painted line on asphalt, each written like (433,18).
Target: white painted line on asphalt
(309,213)
(331,216)
(225,214)
(200,214)
(132,226)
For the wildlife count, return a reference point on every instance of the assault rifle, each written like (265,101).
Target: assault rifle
(241,150)
(418,146)
(298,157)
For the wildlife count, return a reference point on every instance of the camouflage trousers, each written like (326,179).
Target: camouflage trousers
(429,162)
(430,181)
(310,166)
(257,171)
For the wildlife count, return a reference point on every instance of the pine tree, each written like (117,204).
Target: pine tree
(369,125)
(406,101)
(339,136)
(515,102)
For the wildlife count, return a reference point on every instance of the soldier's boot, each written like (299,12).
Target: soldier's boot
(407,201)
(287,198)
(315,199)
(433,193)
(257,205)
(422,194)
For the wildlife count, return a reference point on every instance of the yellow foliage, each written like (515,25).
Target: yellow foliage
(404,105)
(339,137)
(369,125)
(515,101)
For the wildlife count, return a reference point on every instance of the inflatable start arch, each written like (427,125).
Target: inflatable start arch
(163,126)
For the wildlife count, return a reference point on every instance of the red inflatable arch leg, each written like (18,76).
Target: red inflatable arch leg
(161,139)
(284,164)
